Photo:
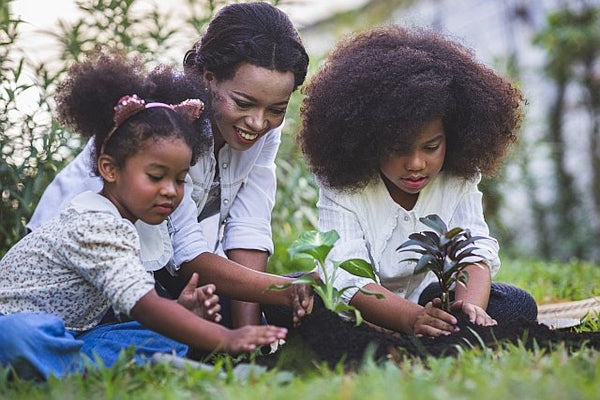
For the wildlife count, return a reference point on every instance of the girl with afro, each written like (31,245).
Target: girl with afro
(399,124)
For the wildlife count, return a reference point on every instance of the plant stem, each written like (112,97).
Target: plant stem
(445,300)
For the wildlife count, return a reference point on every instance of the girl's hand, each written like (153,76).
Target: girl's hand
(433,321)
(202,300)
(476,314)
(249,337)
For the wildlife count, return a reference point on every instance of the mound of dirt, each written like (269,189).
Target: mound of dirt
(332,339)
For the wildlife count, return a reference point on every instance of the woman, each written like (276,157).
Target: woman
(251,59)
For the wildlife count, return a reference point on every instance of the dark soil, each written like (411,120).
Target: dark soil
(333,340)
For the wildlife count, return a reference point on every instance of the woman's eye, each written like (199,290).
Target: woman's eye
(242,104)
(154,178)
(432,148)
(277,112)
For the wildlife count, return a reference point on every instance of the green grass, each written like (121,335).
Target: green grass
(551,281)
(510,372)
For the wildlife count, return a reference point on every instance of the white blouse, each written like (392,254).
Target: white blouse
(372,226)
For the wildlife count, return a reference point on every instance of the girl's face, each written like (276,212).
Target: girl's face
(407,171)
(150,185)
(247,106)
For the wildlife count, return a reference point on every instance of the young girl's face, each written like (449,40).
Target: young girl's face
(150,185)
(407,171)
(247,106)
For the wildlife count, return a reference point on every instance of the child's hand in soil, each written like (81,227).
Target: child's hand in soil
(476,314)
(249,337)
(202,300)
(433,321)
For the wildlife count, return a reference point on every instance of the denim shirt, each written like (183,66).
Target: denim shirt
(248,188)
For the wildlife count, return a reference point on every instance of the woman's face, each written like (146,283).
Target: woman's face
(247,106)
(407,171)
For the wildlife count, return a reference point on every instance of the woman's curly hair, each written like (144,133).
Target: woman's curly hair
(86,99)
(378,88)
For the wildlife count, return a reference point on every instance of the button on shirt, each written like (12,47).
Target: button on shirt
(372,226)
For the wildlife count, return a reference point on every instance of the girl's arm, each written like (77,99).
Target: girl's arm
(174,321)
(473,298)
(401,315)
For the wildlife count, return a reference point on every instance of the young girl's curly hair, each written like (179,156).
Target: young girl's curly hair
(86,99)
(378,88)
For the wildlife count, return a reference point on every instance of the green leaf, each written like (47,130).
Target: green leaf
(424,263)
(344,289)
(305,279)
(279,287)
(358,267)
(435,222)
(415,242)
(371,293)
(463,277)
(315,244)
(343,307)
(327,301)
(453,232)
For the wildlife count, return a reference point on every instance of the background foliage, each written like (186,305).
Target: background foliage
(566,224)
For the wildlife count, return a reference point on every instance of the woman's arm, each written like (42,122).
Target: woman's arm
(242,312)
(247,232)
(238,282)
(75,178)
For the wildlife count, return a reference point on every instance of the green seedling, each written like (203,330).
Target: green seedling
(444,252)
(316,246)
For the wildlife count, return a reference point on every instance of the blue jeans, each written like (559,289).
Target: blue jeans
(38,345)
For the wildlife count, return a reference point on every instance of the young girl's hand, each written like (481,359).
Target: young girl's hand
(202,300)
(433,321)
(249,337)
(477,315)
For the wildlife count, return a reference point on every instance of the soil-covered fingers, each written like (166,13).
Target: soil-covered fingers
(249,337)
(302,296)
(476,314)
(433,321)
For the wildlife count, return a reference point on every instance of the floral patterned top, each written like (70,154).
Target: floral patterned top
(76,266)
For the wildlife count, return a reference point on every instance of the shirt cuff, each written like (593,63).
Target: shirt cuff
(248,233)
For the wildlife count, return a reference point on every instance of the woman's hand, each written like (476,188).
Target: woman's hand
(476,314)
(433,321)
(301,300)
(202,300)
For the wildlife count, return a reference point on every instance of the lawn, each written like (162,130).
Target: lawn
(510,372)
